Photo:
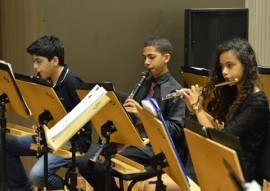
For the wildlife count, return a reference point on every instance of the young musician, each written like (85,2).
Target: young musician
(156,54)
(239,108)
(48,60)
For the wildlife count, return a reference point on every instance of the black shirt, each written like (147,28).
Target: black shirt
(65,89)
(173,110)
(250,124)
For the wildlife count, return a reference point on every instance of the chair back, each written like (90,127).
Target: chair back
(264,75)
(264,165)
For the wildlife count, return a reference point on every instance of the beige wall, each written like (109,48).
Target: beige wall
(103,39)
(259,37)
(21,22)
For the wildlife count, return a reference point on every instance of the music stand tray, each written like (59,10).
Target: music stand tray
(19,131)
(126,166)
(161,143)
(208,159)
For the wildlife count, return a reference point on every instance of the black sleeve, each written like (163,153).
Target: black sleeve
(248,116)
(174,119)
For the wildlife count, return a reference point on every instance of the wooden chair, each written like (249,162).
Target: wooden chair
(266,185)
(150,173)
(264,74)
(194,76)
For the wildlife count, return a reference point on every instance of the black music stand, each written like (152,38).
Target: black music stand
(46,109)
(12,100)
(111,124)
(166,157)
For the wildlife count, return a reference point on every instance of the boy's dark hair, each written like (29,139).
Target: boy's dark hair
(162,44)
(47,46)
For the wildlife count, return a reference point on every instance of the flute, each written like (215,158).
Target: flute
(233,80)
(175,94)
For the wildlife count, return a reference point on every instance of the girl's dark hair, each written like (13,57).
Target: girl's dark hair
(226,100)
(47,46)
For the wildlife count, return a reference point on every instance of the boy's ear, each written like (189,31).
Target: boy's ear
(167,57)
(55,60)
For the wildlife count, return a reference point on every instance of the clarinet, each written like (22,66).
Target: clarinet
(38,137)
(139,85)
(137,88)
(95,156)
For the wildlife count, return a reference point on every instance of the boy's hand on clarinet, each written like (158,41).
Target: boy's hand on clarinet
(130,106)
(35,128)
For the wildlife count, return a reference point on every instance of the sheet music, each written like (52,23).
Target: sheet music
(85,103)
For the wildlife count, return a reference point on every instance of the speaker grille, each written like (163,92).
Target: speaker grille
(206,28)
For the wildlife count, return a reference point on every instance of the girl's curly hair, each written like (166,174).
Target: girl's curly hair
(226,100)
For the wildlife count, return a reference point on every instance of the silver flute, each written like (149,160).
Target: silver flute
(233,80)
(175,94)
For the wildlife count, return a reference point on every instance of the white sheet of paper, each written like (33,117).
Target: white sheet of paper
(85,103)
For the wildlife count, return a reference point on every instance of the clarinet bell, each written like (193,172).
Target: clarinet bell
(95,155)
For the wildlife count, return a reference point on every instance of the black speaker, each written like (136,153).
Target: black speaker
(206,28)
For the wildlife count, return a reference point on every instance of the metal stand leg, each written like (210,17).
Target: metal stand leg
(4,100)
